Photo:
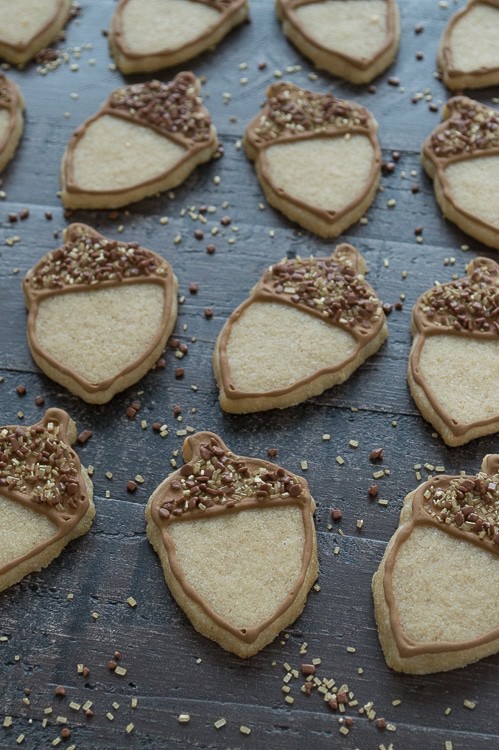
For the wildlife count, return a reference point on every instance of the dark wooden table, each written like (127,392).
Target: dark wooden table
(45,633)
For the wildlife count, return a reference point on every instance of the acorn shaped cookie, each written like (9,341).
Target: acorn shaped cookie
(453,368)
(27,26)
(354,39)
(317,158)
(469,50)
(45,495)
(435,592)
(306,326)
(148,35)
(11,119)
(146,138)
(462,157)
(100,312)
(236,540)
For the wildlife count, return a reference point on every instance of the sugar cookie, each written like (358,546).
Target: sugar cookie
(307,325)
(45,495)
(146,138)
(354,39)
(435,592)
(462,157)
(100,312)
(30,26)
(469,51)
(148,35)
(236,540)
(317,158)
(453,368)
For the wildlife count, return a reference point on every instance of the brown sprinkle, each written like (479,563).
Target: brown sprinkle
(84,436)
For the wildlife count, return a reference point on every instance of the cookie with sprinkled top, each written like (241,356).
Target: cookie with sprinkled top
(32,26)
(462,158)
(453,368)
(11,119)
(306,326)
(146,138)
(100,312)
(148,35)
(435,591)
(317,157)
(45,495)
(236,540)
(354,39)
(469,51)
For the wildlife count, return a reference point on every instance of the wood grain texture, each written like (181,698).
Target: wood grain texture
(47,635)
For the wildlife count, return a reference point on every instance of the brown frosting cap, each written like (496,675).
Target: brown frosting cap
(465,506)
(332,288)
(88,259)
(469,129)
(214,479)
(292,111)
(38,465)
(469,305)
(172,109)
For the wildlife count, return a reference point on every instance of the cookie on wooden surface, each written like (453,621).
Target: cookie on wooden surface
(146,138)
(453,368)
(317,157)
(236,540)
(462,157)
(307,325)
(27,26)
(100,312)
(469,50)
(11,119)
(45,495)
(354,39)
(435,592)
(148,35)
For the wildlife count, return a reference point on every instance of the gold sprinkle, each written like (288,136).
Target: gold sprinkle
(7,722)
(131,601)
(121,671)
(110,716)
(353,443)
(129,728)
(244,729)
(219,723)
(183,718)
(447,710)
(340,460)
(469,704)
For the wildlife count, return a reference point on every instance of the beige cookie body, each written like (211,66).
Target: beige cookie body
(468,55)
(98,326)
(263,552)
(155,34)
(11,120)
(33,26)
(354,39)
(453,367)
(462,158)
(133,148)
(317,158)
(425,575)
(291,340)
(34,532)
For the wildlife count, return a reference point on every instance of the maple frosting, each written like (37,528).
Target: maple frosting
(213,482)
(469,305)
(291,111)
(172,108)
(40,470)
(89,259)
(471,129)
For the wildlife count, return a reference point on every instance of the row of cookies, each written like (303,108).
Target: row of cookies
(317,157)
(101,312)
(258,534)
(354,39)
